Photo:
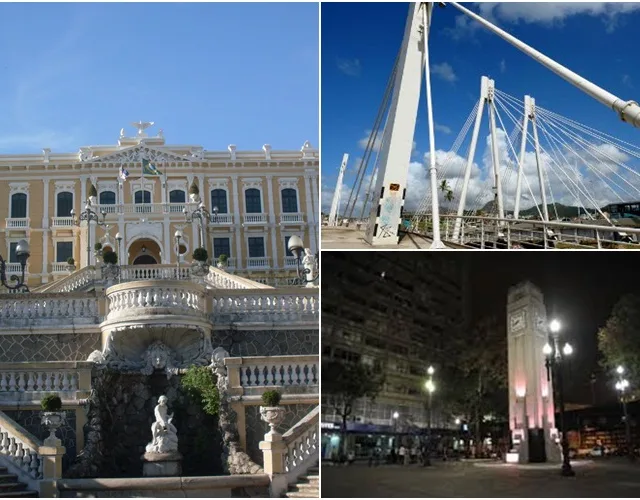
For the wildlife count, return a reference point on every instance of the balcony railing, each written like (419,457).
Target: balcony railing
(15,268)
(143,208)
(256,219)
(62,222)
(231,262)
(290,262)
(60,267)
(292,218)
(154,272)
(257,262)
(31,380)
(221,220)
(282,371)
(31,310)
(17,222)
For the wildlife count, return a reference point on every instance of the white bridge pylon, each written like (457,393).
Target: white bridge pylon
(395,154)
(337,195)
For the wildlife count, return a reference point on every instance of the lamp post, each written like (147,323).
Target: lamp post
(119,240)
(88,215)
(203,215)
(430,387)
(22,254)
(621,386)
(296,247)
(554,357)
(178,236)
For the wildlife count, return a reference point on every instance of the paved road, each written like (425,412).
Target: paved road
(611,478)
(336,238)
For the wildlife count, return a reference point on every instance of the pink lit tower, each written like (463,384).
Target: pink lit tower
(531,410)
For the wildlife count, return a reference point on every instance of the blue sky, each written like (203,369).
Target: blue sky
(216,74)
(360,41)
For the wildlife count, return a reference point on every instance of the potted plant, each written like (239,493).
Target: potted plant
(93,193)
(199,266)
(271,412)
(97,251)
(110,270)
(194,192)
(52,415)
(71,264)
(109,257)
(222,261)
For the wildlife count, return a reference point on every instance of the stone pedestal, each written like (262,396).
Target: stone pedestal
(162,464)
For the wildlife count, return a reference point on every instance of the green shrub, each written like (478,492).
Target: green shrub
(200,254)
(271,398)
(51,402)
(193,189)
(110,257)
(200,384)
(97,246)
(222,258)
(71,261)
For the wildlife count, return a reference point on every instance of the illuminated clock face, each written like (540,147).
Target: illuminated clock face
(517,321)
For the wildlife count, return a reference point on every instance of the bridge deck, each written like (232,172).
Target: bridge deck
(346,238)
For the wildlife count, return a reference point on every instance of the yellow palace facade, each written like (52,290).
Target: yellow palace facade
(257,201)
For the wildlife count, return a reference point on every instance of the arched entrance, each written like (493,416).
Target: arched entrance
(144,251)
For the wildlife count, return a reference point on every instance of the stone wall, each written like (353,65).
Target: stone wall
(257,428)
(267,342)
(121,413)
(30,420)
(48,347)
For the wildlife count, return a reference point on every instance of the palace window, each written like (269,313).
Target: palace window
(65,204)
(256,247)
(286,246)
(177,196)
(64,250)
(141,198)
(12,252)
(107,198)
(221,246)
(219,199)
(19,206)
(289,200)
(252,200)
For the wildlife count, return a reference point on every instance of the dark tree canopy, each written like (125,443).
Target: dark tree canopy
(344,383)
(619,339)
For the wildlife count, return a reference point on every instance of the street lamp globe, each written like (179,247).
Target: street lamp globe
(620,369)
(430,386)
(178,235)
(396,414)
(554,326)
(547,349)
(457,421)
(567,349)
(296,246)
(431,370)
(22,250)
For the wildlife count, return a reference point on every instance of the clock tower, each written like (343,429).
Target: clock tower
(531,409)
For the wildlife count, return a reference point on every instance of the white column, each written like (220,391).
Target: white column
(45,232)
(523,148)
(534,126)
(312,233)
(397,141)
(495,156)
(272,223)
(316,211)
(237,221)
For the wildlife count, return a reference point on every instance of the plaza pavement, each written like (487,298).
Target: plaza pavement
(600,478)
(336,238)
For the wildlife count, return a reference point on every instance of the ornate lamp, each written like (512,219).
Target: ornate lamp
(22,254)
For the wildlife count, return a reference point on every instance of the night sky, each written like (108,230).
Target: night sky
(580,289)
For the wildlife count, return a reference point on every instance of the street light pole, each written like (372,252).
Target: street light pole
(88,215)
(554,357)
(621,386)
(430,386)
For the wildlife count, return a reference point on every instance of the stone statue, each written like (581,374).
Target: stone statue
(158,357)
(309,264)
(97,357)
(165,435)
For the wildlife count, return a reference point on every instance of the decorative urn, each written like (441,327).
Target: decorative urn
(273,415)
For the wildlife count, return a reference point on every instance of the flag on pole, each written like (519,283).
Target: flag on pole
(149,169)
(124,173)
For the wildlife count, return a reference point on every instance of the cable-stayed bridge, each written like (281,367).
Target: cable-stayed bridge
(549,182)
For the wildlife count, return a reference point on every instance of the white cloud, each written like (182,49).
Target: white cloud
(503,66)
(350,67)
(626,80)
(442,128)
(444,71)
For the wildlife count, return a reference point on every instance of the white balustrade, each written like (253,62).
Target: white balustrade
(257,262)
(62,222)
(75,281)
(181,298)
(231,262)
(59,267)
(292,218)
(221,219)
(154,272)
(17,223)
(34,309)
(280,371)
(290,262)
(20,449)
(218,278)
(38,380)
(14,268)
(303,445)
(255,219)
(265,306)
(108,209)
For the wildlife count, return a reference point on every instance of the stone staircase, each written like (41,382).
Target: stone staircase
(308,486)
(11,488)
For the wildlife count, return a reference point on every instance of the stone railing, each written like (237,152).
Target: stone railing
(299,371)
(255,219)
(66,222)
(60,267)
(265,306)
(154,272)
(258,262)
(36,463)
(28,381)
(75,281)
(218,278)
(291,218)
(158,297)
(17,223)
(221,220)
(33,310)
(290,455)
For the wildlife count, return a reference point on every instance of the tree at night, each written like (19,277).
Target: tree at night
(619,339)
(344,383)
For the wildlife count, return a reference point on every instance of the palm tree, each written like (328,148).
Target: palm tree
(448,195)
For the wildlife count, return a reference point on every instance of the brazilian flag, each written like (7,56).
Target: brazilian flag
(148,169)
